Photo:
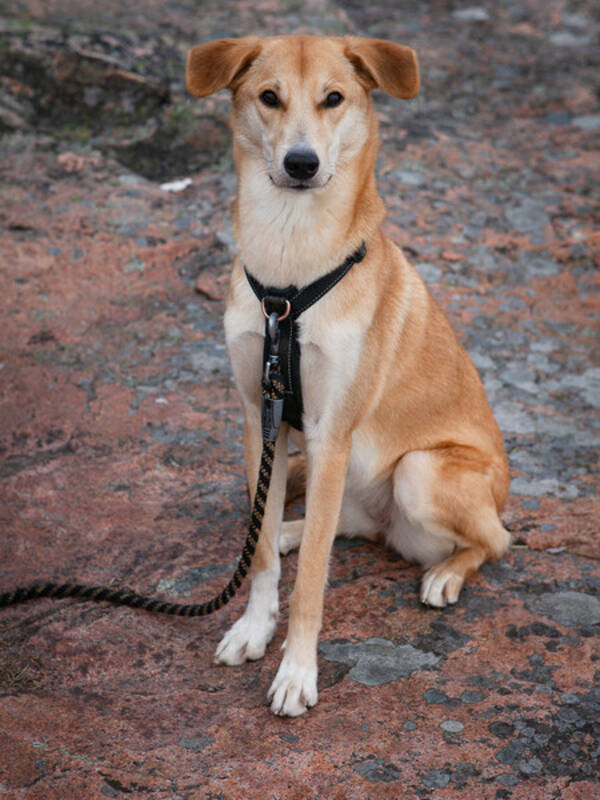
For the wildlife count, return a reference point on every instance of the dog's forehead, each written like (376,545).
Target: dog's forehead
(303,58)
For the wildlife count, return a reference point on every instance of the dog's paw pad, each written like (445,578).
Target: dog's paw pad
(294,689)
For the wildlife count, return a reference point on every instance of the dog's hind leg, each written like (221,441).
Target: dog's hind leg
(295,486)
(447,516)
(248,638)
(352,523)
(291,536)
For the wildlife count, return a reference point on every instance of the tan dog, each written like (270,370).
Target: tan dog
(399,438)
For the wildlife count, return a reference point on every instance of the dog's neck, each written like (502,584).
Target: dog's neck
(294,237)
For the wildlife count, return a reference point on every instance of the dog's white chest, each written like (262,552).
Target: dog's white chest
(329,362)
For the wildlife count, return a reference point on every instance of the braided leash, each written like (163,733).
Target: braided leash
(272,393)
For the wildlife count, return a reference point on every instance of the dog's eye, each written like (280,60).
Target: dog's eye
(333,99)
(269,98)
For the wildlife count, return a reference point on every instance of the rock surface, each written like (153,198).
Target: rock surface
(120,432)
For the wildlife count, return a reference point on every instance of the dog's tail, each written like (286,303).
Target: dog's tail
(296,478)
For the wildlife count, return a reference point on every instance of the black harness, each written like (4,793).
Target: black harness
(281,308)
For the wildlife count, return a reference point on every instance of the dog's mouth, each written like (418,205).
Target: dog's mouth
(299,186)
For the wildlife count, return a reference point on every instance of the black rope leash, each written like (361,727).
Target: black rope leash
(272,402)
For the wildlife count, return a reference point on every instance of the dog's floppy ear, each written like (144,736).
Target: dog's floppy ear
(215,65)
(384,65)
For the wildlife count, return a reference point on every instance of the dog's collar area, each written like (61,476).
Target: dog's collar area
(281,309)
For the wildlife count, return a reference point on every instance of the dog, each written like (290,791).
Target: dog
(400,442)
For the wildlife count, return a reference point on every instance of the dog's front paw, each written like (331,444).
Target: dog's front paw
(440,586)
(247,640)
(294,689)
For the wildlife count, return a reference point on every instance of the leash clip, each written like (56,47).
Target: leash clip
(273,357)
(273,329)
(273,319)
(271,408)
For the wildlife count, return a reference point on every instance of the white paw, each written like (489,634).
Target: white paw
(440,586)
(294,689)
(246,640)
(290,536)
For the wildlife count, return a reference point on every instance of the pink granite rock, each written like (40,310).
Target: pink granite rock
(120,430)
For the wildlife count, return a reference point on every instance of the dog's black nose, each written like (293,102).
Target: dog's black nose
(301,164)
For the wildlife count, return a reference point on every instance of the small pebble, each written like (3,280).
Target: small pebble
(507,779)
(474,14)
(471,696)
(452,726)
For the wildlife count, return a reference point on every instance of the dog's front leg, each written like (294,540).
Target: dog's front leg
(295,686)
(249,637)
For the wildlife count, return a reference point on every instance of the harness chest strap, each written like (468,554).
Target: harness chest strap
(281,308)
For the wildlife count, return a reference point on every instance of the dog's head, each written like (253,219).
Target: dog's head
(301,105)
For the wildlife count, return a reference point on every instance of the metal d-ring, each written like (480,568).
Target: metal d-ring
(288,308)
